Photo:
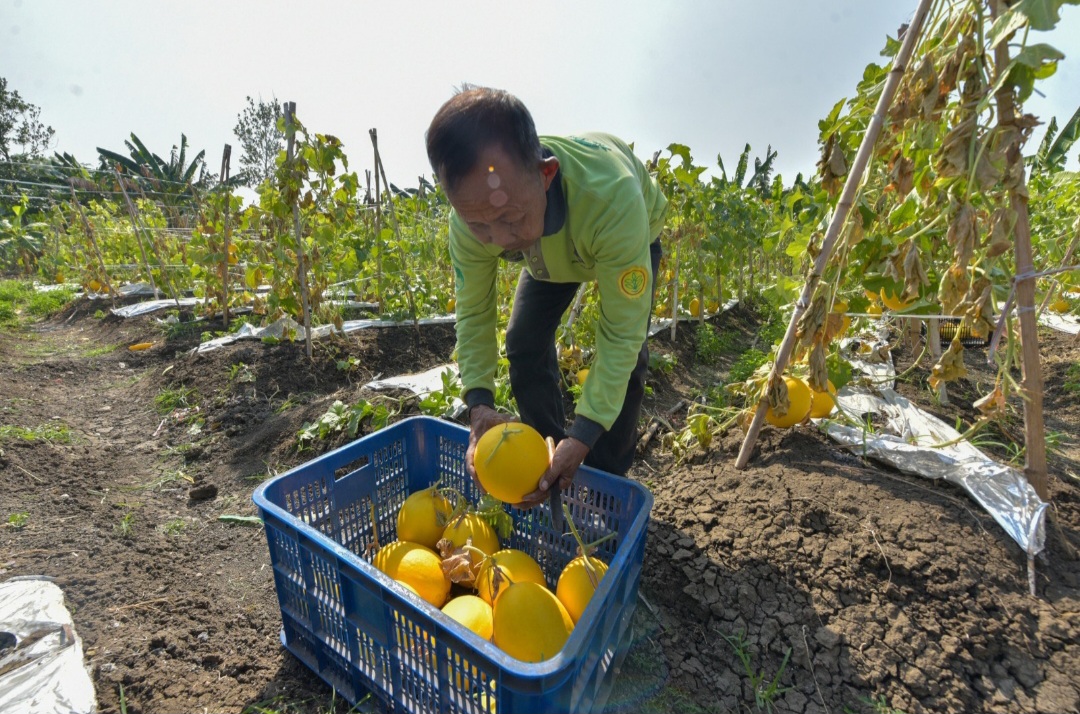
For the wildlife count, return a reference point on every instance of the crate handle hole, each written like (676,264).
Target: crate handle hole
(354,465)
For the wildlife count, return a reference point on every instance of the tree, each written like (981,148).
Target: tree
(260,139)
(20,125)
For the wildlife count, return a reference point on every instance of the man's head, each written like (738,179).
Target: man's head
(483,146)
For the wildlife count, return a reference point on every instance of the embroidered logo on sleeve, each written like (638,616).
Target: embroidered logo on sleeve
(459,278)
(633,281)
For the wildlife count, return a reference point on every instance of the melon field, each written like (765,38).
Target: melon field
(168,345)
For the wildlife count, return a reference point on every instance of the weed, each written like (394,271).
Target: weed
(126,527)
(18,521)
(170,399)
(341,418)
(160,482)
(765,692)
(98,351)
(52,432)
(443,402)
(877,705)
(293,400)
(664,363)
(174,527)
(707,344)
(100,314)
(348,365)
(241,373)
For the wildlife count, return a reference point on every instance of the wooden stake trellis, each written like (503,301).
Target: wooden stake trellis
(381,171)
(843,209)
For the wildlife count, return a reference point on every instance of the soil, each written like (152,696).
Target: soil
(813,581)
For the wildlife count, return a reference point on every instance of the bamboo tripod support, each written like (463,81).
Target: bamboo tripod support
(94,244)
(157,256)
(843,209)
(1034,436)
(301,259)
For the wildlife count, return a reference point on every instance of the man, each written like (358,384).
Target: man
(570,209)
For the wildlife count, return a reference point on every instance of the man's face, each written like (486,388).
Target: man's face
(502,202)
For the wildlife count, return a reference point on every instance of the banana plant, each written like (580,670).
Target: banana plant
(21,242)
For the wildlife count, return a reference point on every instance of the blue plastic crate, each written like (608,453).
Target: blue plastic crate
(362,632)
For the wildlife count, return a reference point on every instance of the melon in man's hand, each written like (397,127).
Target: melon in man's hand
(509,459)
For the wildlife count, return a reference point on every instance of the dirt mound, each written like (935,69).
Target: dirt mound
(811,582)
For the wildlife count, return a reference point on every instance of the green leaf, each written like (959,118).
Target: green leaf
(1035,56)
(905,213)
(1004,26)
(797,247)
(682,151)
(1042,15)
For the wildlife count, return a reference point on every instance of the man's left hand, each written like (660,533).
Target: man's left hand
(569,454)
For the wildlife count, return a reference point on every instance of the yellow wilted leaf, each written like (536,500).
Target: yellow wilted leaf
(778,397)
(992,404)
(951,365)
(962,234)
(954,285)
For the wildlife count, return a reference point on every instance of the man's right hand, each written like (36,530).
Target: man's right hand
(481,418)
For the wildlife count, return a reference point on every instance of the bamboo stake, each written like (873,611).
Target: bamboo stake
(1034,436)
(574,310)
(378,234)
(843,208)
(225,158)
(301,260)
(381,170)
(93,243)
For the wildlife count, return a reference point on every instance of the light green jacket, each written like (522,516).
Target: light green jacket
(614,209)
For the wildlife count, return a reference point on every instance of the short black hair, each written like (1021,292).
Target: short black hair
(474,119)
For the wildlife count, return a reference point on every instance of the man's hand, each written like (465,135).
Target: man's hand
(481,418)
(569,454)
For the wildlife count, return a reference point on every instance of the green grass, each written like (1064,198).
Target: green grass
(170,399)
(126,527)
(19,301)
(53,432)
(99,351)
(1072,379)
(766,691)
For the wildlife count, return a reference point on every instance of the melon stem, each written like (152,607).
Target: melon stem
(506,432)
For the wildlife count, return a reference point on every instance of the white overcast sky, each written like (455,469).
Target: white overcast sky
(712,74)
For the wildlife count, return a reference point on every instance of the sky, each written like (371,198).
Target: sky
(711,74)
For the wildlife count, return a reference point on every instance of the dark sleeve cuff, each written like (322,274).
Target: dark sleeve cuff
(479,396)
(586,431)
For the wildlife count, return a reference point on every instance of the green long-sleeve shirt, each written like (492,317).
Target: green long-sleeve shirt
(613,210)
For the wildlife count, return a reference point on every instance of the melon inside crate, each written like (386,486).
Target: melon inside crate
(362,632)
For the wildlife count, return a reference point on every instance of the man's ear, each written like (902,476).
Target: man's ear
(548,168)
